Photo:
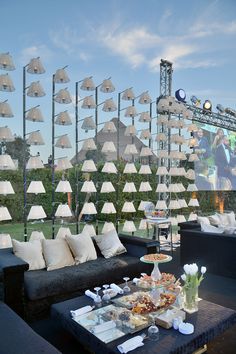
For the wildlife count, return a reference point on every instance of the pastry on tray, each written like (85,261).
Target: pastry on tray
(146,281)
(154,257)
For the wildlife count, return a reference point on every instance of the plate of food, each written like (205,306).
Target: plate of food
(155,258)
(146,306)
(147,282)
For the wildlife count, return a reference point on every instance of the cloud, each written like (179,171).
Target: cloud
(68,40)
(35,51)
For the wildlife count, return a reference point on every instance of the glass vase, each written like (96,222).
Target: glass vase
(191,299)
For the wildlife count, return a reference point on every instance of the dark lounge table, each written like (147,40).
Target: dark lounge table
(210,321)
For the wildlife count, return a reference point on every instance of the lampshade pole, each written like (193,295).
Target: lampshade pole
(24,154)
(118,165)
(96,152)
(76,155)
(132,142)
(53,157)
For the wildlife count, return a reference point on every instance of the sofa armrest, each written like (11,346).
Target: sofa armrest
(137,246)
(12,269)
(189,225)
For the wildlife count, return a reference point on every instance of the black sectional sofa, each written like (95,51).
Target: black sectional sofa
(31,293)
(215,251)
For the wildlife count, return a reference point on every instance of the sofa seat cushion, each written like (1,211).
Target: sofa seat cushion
(40,284)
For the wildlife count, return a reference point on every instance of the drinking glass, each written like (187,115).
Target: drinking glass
(106,297)
(97,299)
(126,288)
(153,331)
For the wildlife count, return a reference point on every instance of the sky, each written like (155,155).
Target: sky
(121,39)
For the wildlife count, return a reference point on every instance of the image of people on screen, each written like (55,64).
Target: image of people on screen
(202,176)
(203,145)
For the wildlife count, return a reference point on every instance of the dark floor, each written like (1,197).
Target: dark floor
(214,288)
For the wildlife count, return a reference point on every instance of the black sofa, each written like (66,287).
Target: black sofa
(215,251)
(18,337)
(31,293)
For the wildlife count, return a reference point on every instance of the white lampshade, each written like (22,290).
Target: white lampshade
(34,115)
(107,86)
(109,127)
(130,149)
(63,142)
(35,138)
(107,187)
(63,232)
(145,187)
(108,208)
(173,188)
(182,203)
(173,221)
(109,167)
(130,168)
(192,128)
(6,188)
(109,106)
(88,84)
(108,147)
(173,204)
(181,124)
(161,205)
(88,166)
(180,218)
(6,83)
(193,142)
(63,118)
(144,225)
(4,214)
(181,187)
(146,134)
(145,98)
(5,241)
(162,171)
(89,208)
(128,95)
(193,202)
(35,66)
(145,151)
(190,174)
(63,211)
(162,188)
(88,124)
(89,230)
(63,164)
(36,187)
(172,123)
(129,226)
(6,135)
(174,155)
(192,217)
(6,62)
(88,103)
(108,226)
(143,204)
(5,110)
(174,171)
(193,158)
(6,163)
(145,117)
(145,170)
(128,207)
(63,187)
(61,77)
(162,154)
(131,112)
(192,187)
(36,212)
(181,171)
(35,90)
(129,187)
(130,130)
(162,119)
(89,145)
(187,114)
(88,187)
(36,235)
(34,163)
(63,96)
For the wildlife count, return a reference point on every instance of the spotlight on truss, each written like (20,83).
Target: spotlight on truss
(230,111)
(220,108)
(180,95)
(207,105)
(196,101)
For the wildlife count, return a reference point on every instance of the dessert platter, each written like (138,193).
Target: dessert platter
(155,259)
(147,282)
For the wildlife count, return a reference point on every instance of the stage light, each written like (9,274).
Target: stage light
(196,101)
(230,111)
(220,108)
(180,95)
(207,105)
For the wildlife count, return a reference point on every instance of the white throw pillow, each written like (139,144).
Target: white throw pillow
(229,230)
(223,219)
(231,218)
(110,244)
(30,252)
(57,254)
(203,219)
(214,219)
(210,228)
(82,247)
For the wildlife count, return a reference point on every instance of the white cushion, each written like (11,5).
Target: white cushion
(214,219)
(229,229)
(223,218)
(57,254)
(82,247)
(110,244)
(203,219)
(210,228)
(30,252)
(5,241)
(231,218)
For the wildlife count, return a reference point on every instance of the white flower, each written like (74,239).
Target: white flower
(187,268)
(203,270)
(183,277)
(194,269)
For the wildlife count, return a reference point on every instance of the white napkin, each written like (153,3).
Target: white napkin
(104,327)
(116,288)
(136,280)
(90,294)
(81,311)
(130,344)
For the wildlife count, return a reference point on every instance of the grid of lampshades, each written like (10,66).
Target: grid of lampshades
(6,162)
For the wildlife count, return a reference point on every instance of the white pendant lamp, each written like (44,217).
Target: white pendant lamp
(130,130)
(193,202)
(107,86)
(88,187)
(162,188)
(36,187)
(128,207)
(6,83)
(63,118)
(61,77)
(142,205)
(162,154)
(6,135)
(145,187)
(6,62)
(88,166)
(130,149)
(173,204)
(35,66)
(128,95)
(36,212)
(173,188)
(162,171)
(129,187)
(109,167)
(88,124)
(162,119)
(144,225)
(6,163)
(34,115)
(63,142)
(190,174)
(88,84)
(161,205)
(63,96)
(4,214)
(63,187)
(108,208)
(192,128)
(145,98)
(174,171)
(193,158)
(89,208)
(129,226)
(145,151)
(192,187)
(89,145)
(145,170)
(89,230)
(109,127)
(63,164)
(63,211)
(107,187)
(5,241)
(35,138)
(36,235)
(130,168)
(145,117)
(192,217)
(108,147)
(63,232)
(88,103)
(181,171)
(35,90)
(173,221)
(34,163)
(107,227)
(146,134)
(181,187)
(6,188)
(109,106)
(5,110)
(131,112)
(182,203)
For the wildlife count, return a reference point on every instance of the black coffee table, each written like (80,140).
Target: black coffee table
(210,321)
